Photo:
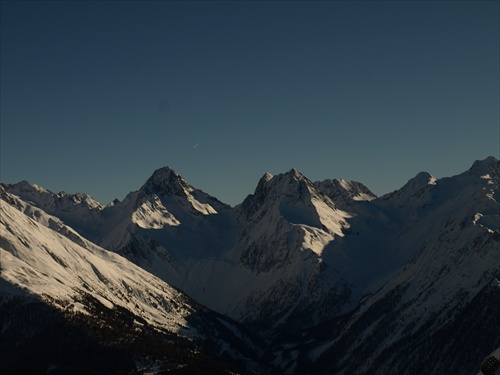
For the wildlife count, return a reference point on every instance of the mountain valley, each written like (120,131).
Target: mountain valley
(302,277)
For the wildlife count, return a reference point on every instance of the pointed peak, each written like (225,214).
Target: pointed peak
(485,165)
(23,183)
(422,176)
(289,183)
(113,203)
(421,180)
(25,187)
(291,176)
(164,172)
(264,180)
(266,177)
(414,187)
(344,193)
(165,180)
(489,160)
(295,173)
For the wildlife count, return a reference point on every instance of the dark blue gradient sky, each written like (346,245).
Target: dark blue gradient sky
(96,95)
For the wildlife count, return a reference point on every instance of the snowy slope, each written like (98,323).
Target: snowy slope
(80,211)
(43,262)
(41,258)
(343,193)
(364,281)
(287,224)
(165,204)
(263,256)
(207,249)
(445,299)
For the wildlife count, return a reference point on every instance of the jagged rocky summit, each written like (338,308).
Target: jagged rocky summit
(330,277)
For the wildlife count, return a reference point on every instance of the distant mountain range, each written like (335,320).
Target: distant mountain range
(302,277)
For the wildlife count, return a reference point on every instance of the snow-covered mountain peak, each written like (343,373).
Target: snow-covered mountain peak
(285,181)
(166,181)
(164,172)
(174,193)
(267,176)
(114,202)
(291,186)
(25,188)
(343,193)
(163,203)
(263,182)
(413,189)
(44,262)
(84,199)
(294,173)
(302,213)
(51,273)
(421,179)
(25,185)
(48,199)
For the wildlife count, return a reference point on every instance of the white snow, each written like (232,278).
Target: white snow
(42,262)
(153,215)
(264,257)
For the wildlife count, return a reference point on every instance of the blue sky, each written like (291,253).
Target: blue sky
(97,95)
